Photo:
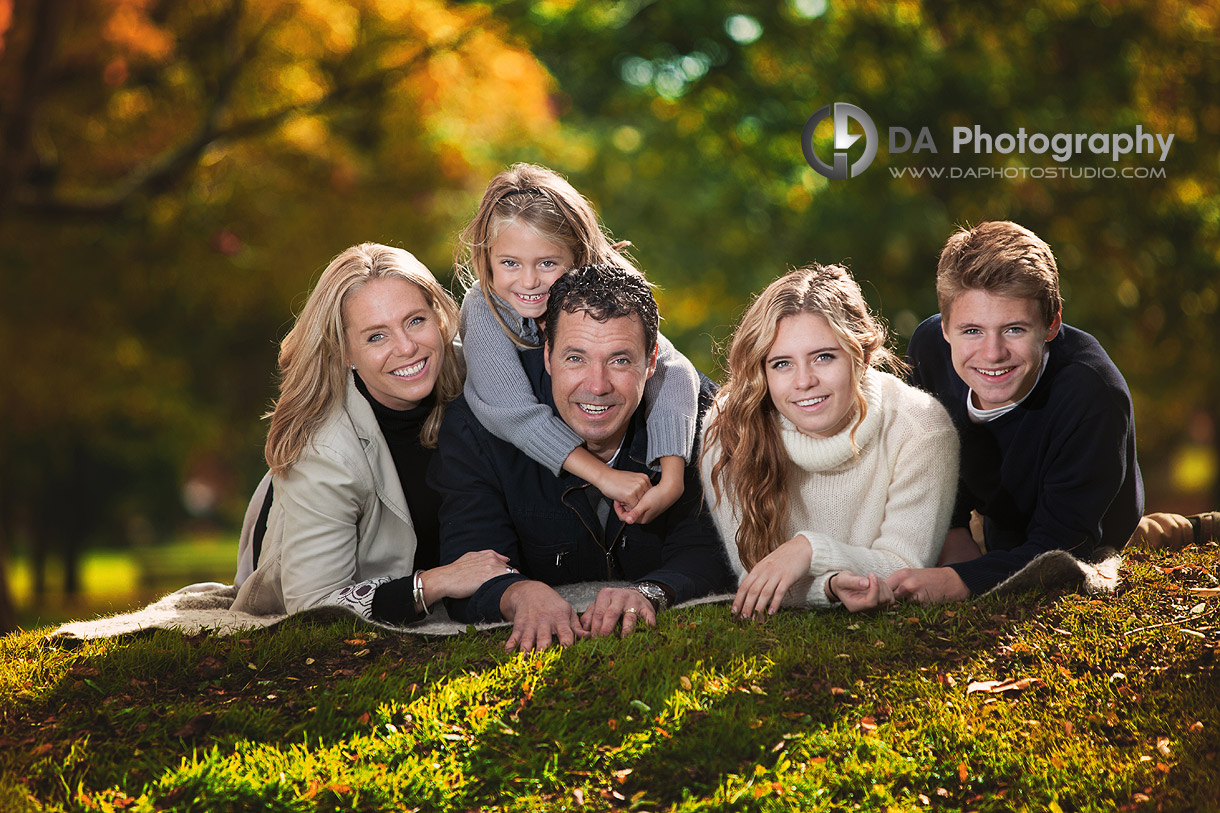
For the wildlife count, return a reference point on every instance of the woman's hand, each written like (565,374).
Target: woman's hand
(860,593)
(461,578)
(763,588)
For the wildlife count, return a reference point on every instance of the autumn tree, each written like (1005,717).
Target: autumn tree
(174,176)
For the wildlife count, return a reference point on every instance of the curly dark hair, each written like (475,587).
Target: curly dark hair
(604,292)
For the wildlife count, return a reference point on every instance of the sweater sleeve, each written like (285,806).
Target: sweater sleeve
(919,500)
(671,397)
(1083,478)
(499,392)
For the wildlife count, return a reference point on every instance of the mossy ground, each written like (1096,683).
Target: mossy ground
(1062,702)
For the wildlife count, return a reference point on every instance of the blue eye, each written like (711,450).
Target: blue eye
(418,320)
(826,357)
(376,337)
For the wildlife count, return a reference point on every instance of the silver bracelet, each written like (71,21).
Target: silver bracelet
(420,604)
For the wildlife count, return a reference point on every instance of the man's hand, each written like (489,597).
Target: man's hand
(928,585)
(861,593)
(538,613)
(764,587)
(614,603)
(959,547)
(1162,531)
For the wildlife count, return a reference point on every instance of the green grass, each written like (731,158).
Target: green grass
(810,711)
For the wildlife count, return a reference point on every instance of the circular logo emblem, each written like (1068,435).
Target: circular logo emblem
(842,113)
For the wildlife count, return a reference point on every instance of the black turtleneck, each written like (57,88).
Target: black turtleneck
(401,428)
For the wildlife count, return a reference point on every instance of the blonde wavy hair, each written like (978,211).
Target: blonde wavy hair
(754,467)
(313,375)
(543,200)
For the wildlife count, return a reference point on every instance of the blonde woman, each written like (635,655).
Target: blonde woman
(825,473)
(347,517)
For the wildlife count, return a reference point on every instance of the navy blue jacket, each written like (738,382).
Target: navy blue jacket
(1057,473)
(494,496)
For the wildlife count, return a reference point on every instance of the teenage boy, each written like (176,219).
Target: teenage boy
(1047,428)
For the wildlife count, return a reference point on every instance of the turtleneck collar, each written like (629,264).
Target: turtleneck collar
(824,454)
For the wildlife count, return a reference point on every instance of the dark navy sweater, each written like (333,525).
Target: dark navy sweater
(1058,472)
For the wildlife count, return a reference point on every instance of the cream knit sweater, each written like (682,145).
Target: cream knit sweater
(886,509)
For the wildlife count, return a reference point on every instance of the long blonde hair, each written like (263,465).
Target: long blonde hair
(753,466)
(544,201)
(313,378)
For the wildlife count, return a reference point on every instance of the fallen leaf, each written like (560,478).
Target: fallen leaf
(1067,727)
(1002,686)
(1196,726)
(1057,762)
(962,772)
(1205,592)
(355,642)
(363,718)
(685,681)
(339,788)
(579,796)
(1162,767)
(1162,746)
(868,723)
(942,792)
(613,723)
(1063,672)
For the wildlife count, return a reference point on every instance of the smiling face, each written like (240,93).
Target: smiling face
(997,344)
(809,375)
(523,267)
(394,340)
(598,371)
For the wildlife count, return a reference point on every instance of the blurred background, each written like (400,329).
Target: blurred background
(174,176)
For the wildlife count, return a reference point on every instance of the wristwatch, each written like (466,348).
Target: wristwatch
(654,593)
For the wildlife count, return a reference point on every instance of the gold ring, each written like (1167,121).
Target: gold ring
(629,610)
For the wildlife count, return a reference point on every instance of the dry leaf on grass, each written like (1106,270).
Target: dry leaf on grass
(1003,686)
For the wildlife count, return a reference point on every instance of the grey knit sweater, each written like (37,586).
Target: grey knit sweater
(501,398)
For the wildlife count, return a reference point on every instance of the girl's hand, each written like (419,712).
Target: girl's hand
(461,578)
(660,497)
(861,593)
(763,588)
(626,487)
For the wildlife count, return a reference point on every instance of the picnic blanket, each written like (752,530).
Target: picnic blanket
(207,606)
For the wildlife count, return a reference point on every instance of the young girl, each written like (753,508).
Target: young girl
(531,226)
(823,466)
